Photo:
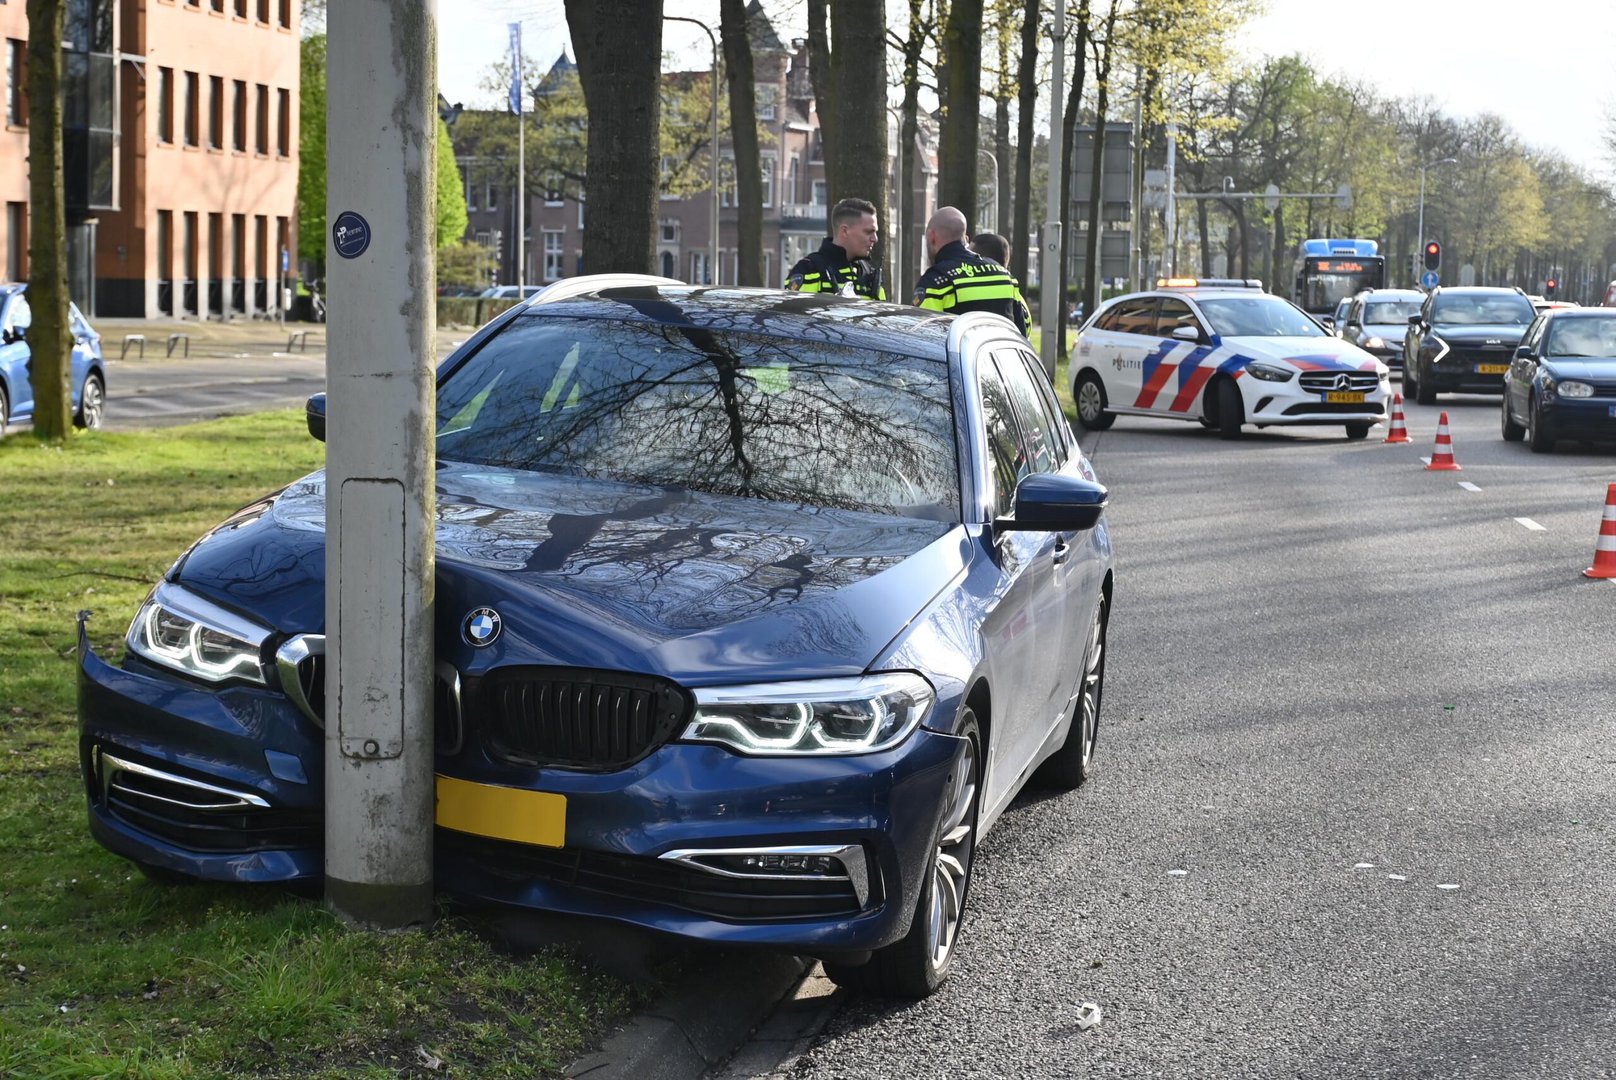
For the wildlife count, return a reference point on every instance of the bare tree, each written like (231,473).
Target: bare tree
(619,51)
(911,48)
(819,75)
(957,152)
(1027,100)
(1101,45)
(858,65)
(732,25)
(50,339)
(1074,100)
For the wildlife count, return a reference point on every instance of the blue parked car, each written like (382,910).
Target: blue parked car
(773,601)
(88,380)
(1562,381)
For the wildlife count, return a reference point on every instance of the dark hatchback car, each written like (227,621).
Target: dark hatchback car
(1462,340)
(1562,381)
(795,593)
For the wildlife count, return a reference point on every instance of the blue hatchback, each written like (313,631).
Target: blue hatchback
(87,380)
(754,611)
(1562,380)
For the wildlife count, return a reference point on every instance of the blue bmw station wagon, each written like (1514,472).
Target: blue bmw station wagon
(775,600)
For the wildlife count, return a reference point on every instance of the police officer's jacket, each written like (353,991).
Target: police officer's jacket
(829,269)
(960,280)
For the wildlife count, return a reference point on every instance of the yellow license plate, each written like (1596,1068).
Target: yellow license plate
(1491,369)
(504,813)
(1345,397)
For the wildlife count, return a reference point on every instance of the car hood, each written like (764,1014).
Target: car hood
(1508,334)
(1593,367)
(1307,353)
(596,574)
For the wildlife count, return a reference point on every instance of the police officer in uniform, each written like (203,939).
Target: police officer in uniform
(842,264)
(961,280)
(997,248)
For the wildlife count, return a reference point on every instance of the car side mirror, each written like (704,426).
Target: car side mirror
(1523,352)
(1186,333)
(1052,502)
(1327,321)
(314,411)
(1415,320)
(15,334)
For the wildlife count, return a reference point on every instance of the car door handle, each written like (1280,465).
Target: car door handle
(1063,549)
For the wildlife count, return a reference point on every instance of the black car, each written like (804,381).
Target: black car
(1376,321)
(1462,341)
(1562,381)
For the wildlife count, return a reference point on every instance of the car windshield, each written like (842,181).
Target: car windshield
(1483,309)
(1582,336)
(1389,312)
(713,411)
(1257,316)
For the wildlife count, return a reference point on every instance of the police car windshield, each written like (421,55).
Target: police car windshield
(1257,316)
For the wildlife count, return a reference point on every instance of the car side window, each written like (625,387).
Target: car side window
(1054,420)
(1005,457)
(1172,314)
(1039,439)
(1136,316)
(1534,332)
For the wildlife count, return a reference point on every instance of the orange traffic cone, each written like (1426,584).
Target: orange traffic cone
(1442,456)
(1399,431)
(1605,549)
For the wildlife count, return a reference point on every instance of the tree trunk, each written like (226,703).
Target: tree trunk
(1092,278)
(906,265)
(1027,84)
(858,56)
(1078,56)
(50,339)
(1001,170)
(819,74)
(959,143)
(619,53)
(744,139)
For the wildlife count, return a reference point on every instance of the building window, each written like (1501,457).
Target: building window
(554,188)
(580,209)
(241,9)
(819,193)
(188,245)
(16,241)
(263,11)
(793,192)
(238,133)
(490,192)
(261,120)
(16,82)
(768,269)
(193,108)
(768,97)
(165,246)
(726,180)
(552,254)
(768,163)
(215,112)
(283,127)
(669,269)
(165,105)
(700,268)
(670,232)
(472,187)
(261,244)
(218,5)
(286,13)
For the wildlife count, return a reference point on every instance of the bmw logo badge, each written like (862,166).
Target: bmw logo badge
(481,627)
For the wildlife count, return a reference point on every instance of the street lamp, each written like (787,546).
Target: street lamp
(899,232)
(991,157)
(712,266)
(1419,236)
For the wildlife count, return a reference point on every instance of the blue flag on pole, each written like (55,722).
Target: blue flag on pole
(516,69)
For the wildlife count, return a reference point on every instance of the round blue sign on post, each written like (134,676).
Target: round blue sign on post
(350,234)
(1430,279)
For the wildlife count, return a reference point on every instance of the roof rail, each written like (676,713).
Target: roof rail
(567,288)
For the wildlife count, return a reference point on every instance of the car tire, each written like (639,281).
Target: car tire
(92,404)
(1511,431)
(1358,431)
(1230,410)
(1538,434)
(1067,768)
(915,965)
(1088,393)
(1424,392)
(5,410)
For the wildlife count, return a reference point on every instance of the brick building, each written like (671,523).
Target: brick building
(181,122)
(794,188)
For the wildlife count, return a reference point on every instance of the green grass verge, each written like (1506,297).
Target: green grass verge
(105,974)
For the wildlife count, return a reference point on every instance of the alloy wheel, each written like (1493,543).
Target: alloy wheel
(92,403)
(951,869)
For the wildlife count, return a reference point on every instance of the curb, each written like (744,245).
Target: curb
(699,1023)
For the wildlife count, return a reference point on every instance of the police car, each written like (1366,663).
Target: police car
(1225,353)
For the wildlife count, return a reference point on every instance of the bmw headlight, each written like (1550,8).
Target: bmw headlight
(180,630)
(821,716)
(1375,343)
(1269,372)
(1575,389)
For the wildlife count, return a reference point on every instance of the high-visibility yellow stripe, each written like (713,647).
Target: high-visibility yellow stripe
(504,813)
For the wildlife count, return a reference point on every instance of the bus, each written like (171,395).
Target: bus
(1329,271)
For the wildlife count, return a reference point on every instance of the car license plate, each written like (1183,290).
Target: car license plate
(1344,397)
(1491,369)
(504,813)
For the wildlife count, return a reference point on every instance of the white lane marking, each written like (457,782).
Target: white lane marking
(1528,523)
(1425,460)
(1468,486)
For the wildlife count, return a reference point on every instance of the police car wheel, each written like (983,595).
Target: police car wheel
(1231,411)
(1089,394)
(1358,431)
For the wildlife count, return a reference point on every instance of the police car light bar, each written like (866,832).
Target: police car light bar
(1221,283)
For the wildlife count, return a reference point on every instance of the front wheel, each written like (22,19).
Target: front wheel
(1231,411)
(1424,392)
(92,404)
(1538,433)
(916,964)
(1067,768)
(1511,431)
(1089,393)
(5,410)
(1358,431)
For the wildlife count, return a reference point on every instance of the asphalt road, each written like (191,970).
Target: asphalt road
(1356,800)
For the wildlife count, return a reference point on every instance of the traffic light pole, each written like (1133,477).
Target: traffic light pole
(381,191)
